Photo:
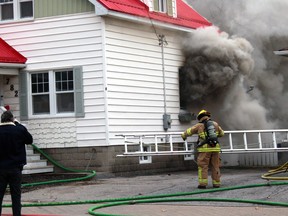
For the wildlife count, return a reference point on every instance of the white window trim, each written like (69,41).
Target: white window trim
(190,156)
(149,3)
(145,159)
(174,6)
(52,97)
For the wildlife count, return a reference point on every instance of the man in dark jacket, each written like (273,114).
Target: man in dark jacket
(13,137)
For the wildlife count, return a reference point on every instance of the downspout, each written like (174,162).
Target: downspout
(105,82)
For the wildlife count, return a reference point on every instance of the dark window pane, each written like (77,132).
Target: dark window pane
(40,82)
(66,80)
(40,78)
(64,75)
(41,104)
(26,9)
(34,88)
(70,85)
(34,78)
(46,87)
(70,75)
(65,102)
(58,76)
(40,88)
(64,86)
(7,12)
(58,86)
(46,77)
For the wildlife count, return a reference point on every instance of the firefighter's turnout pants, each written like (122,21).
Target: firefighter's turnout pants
(209,157)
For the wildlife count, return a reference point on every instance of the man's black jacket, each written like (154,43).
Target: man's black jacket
(13,138)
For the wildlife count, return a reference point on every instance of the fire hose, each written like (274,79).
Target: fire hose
(90,173)
(281,169)
(155,198)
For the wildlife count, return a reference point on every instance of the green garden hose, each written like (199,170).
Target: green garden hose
(91,173)
(261,202)
(154,198)
(164,198)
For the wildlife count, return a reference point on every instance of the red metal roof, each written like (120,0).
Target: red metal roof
(186,15)
(9,55)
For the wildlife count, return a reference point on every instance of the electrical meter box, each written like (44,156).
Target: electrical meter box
(167,121)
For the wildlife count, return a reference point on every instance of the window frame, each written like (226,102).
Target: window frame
(17,10)
(162,6)
(52,95)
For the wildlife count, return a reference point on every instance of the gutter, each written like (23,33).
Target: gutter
(12,65)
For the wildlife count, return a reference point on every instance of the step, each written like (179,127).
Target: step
(33,157)
(36,163)
(29,151)
(45,169)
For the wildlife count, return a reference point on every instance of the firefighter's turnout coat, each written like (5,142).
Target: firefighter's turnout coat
(206,154)
(199,129)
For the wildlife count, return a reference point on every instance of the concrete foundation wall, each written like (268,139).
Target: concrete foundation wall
(103,159)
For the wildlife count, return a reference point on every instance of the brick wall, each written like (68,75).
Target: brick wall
(103,159)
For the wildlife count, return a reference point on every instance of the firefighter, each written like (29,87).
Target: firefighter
(208,154)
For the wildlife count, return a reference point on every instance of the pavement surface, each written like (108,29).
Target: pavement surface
(87,193)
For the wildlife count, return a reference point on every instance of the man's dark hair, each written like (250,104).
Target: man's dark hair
(7,116)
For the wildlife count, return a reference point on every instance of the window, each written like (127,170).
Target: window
(64,91)
(166,6)
(26,8)
(145,159)
(40,93)
(56,93)
(16,9)
(52,92)
(7,12)
(162,6)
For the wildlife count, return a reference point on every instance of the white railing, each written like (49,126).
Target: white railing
(245,141)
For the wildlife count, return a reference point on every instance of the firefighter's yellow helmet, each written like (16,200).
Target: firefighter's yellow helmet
(203,113)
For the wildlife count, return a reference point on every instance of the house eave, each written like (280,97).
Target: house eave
(144,20)
(100,10)
(12,65)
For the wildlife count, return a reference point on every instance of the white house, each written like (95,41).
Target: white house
(87,70)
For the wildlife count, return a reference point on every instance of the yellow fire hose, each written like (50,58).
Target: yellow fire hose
(281,169)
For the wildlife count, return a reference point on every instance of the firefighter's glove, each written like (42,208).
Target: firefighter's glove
(183,136)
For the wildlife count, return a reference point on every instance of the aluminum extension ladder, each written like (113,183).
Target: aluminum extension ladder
(245,141)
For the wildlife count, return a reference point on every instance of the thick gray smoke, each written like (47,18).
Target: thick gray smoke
(236,75)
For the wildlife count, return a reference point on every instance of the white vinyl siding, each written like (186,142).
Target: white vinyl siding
(135,79)
(66,42)
(122,57)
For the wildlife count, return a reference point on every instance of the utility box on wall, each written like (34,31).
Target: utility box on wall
(167,121)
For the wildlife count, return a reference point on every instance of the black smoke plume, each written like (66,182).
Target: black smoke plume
(236,75)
